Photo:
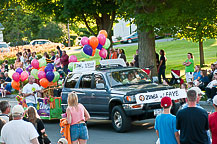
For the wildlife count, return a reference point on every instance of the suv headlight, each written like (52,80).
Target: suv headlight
(130,99)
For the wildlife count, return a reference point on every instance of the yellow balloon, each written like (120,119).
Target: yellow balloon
(10,73)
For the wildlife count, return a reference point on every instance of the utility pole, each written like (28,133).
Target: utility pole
(69,42)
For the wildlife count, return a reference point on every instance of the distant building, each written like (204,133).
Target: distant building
(123,28)
(1,33)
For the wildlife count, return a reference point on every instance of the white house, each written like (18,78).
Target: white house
(1,33)
(123,28)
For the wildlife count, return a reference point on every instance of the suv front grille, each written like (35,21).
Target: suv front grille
(152,106)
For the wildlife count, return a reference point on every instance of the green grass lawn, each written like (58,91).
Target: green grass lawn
(176,53)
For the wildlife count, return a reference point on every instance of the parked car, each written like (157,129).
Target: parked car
(109,93)
(4,47)
(39,41)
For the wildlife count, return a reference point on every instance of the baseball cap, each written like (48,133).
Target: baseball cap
(198,90)
(166,102)
(214,100)
(215,63)
(63,140)
(17,110)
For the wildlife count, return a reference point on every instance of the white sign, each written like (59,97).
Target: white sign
(84,66)
(113,62)
(151,97)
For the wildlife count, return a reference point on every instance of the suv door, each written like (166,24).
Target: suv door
(84,91)
(99,97)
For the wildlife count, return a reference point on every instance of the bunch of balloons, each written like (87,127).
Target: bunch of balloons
(17,76)
(101,42)
(46,73)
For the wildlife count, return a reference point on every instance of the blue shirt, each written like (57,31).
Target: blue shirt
(8,87)
(166,126)
(204,79)
(196,75)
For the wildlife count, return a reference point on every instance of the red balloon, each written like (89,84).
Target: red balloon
(44,82)
(24,75)
(16,77)
(93,41)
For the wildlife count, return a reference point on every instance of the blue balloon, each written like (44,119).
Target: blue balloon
(50,76)
(50,65)
(47,69)
(99,46)
(19,70)
(88,50)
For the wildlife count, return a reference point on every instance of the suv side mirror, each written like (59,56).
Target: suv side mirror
(100,86)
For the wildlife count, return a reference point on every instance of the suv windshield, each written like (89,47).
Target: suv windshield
(3,45)
(126,77)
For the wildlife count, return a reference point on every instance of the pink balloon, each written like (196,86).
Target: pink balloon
(24,75)
(41,74)
(35,63)
(16,77)
(103,53)
(84,41)
(102,39)
(72,58)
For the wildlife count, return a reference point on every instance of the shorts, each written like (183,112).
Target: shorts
(79,131)
(189,76)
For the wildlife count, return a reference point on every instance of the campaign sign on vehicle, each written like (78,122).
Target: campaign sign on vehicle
(84,66)
(44,108)
(156,96)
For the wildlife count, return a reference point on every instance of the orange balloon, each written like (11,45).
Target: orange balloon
(94,51)
(15,85)
(103,32)
(44,82)
(42,68)
(93,41)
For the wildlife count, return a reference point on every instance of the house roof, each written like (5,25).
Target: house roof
(1,27)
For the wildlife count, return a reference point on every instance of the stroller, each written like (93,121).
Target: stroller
(176,79)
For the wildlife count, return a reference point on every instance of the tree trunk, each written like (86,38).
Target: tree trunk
(147,54)
(202,61)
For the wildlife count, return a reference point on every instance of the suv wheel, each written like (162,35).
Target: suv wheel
(129,41)
(120,121)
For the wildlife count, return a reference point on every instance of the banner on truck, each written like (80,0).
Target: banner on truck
(156,96)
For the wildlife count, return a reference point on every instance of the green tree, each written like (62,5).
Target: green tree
(167,16)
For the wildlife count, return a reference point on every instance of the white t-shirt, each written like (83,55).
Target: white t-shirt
(212,83)
(4,117)
(18,132)
(22,59)
(30,88)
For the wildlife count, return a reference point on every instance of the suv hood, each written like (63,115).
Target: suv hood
(140,88)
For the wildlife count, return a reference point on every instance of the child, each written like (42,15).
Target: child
(62,141)
(165,124)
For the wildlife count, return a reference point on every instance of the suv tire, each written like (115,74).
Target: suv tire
(120,121)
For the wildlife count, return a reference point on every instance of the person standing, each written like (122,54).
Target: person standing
(7,78)
(57,63)
(64,62)
(5,109)
(113,54)
(76,117)
(59,51)
(136,59)
(213,122)
(165,124)
(192,122)
(52,57)
(30,92)
(6,66)
(121,55)
(32,116)
(162,66)
(18,131)
(189,67)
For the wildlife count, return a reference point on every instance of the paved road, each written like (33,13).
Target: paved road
(159,40)
(101,132)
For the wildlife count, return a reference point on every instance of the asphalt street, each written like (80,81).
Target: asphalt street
(101,131)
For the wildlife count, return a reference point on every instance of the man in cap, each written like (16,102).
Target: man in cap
(165,124)
(192,122)
(18,131)
(212,121)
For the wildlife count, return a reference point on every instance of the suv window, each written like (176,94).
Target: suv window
(72,80)
(98,78)
(85,81)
